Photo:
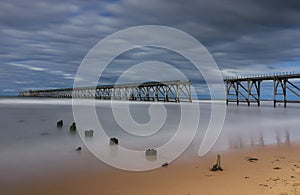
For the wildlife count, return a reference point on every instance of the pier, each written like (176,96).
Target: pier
(167,91)
(248,88)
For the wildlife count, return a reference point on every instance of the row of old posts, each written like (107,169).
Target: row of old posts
(151,153)
(87,133)
(72,128)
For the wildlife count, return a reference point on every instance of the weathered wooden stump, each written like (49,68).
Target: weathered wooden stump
(151,152)
(113,141)
(60,124)
(217,166)
(73,128)
(89,133)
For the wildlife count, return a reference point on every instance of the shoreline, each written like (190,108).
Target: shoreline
(277,171)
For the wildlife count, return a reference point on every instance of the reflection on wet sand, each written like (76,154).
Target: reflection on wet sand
(239,142)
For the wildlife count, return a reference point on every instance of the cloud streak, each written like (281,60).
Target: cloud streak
(43,42)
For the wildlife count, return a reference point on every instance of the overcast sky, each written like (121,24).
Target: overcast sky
(43,42)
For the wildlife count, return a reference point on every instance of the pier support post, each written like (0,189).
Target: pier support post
(258,93)
(243,93)
(189,92)
(249,92)
(237,93)
(275,91)
(227,92)
(284,92)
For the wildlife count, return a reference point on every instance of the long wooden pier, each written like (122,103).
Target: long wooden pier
(167,91)
(248,88)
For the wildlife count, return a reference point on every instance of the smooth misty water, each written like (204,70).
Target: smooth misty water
(31,145)
(249,126)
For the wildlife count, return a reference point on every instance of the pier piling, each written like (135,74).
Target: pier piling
(243,88)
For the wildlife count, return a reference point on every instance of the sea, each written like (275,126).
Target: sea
(32,146)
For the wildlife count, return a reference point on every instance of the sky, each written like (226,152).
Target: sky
(44,42)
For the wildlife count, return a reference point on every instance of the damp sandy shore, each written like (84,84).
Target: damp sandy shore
(276,171)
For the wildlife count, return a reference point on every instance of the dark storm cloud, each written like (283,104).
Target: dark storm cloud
(46,40)
(241,31)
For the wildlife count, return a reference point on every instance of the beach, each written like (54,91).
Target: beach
(257,158)
(239,176)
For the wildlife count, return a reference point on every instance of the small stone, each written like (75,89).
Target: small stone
(264,185)
(252,159)
(113,141)
(165,164)
(60,124)
(276,168)
(78,149)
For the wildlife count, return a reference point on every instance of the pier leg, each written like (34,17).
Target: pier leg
(177,92)
(275,90)
(284,92)
(227,91)
(190,93)
(237,94)
(249,92)
(258,93)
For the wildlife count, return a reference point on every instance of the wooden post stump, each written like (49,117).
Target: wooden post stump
(217,166)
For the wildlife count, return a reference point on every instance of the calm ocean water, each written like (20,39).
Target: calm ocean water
(31,145)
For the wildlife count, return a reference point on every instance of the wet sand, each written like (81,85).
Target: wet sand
(276,171)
